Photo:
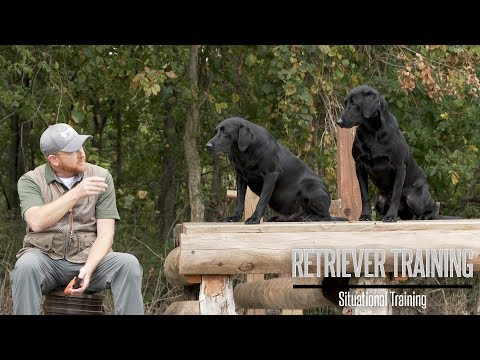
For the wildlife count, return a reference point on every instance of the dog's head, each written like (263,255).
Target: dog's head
(363,102)
(231,132)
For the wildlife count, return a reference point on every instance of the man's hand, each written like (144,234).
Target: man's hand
(41,217)
(85,275)
(90,186)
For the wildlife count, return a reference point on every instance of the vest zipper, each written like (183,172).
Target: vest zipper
(68,237)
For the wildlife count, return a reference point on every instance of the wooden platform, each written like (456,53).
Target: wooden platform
(226,248)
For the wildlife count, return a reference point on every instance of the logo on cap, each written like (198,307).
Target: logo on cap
(67,133)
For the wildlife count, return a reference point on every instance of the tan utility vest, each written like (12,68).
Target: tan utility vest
(72,237)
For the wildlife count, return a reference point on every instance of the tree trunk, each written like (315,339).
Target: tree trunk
(15,170)
(99,125)
(118,144)
(32,148)
(168,189)
(215,210)
(192,157)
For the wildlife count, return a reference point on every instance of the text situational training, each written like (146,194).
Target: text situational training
(396,299)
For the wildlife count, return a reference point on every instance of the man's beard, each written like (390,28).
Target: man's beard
(78,169)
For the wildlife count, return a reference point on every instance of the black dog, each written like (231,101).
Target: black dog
(381,152)
(282,180)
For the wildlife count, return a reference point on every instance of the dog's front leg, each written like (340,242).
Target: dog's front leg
(241,191)
(269,182)
(362,177)
(392,213)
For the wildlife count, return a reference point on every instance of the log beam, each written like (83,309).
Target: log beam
(172,271)
(244,253)
(279,293)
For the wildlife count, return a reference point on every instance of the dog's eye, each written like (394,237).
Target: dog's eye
(223,131)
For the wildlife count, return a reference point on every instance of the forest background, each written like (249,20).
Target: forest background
(152,109)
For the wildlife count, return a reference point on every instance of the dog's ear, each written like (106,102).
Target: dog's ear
(246,137)
(385,114)
(371,104)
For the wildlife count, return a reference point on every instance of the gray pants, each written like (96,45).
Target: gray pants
(35,273)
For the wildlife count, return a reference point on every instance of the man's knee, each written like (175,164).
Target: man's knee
(130,263)
(28,263)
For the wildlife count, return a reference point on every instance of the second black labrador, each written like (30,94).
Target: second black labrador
(381,152)
(278,177)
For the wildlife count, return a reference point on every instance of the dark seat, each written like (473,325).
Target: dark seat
(57,303)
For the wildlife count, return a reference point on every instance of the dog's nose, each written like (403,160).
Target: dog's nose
(209,146)
(339,121)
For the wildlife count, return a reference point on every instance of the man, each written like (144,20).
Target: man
(70,209)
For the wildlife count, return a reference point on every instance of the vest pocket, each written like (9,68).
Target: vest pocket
(41,241)
(85,240)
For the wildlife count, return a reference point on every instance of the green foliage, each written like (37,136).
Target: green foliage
(123,96)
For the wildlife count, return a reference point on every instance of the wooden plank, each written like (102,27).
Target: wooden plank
(334,226)
(232,194)
(216,295)
(240,253)
(348,188)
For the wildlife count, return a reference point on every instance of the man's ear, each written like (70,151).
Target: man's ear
(371,104)
(246,137)
(53,160)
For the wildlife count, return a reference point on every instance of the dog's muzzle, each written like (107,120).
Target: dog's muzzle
(209,146)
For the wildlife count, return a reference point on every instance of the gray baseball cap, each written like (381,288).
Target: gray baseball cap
(61,137)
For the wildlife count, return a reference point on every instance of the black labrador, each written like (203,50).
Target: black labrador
(278,177)
(381,152)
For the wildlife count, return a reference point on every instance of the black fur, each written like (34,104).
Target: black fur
(381,152)
(282,180)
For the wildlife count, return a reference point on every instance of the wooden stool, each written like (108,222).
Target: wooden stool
(57,303)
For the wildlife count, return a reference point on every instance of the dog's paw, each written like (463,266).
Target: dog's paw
(252,220)
(390,218)
(233,218)
(365,217)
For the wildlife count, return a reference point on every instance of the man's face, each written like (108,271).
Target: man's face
(72,162)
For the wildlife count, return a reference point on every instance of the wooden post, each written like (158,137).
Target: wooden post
(348,189)
(216,295)
(251,201)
